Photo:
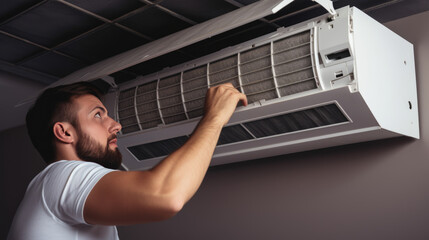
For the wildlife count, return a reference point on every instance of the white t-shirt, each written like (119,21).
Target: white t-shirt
(53,204)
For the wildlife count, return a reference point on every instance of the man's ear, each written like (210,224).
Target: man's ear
(64,132)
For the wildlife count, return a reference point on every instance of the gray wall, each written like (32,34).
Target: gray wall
(374,190)
(19,163)
(13,90)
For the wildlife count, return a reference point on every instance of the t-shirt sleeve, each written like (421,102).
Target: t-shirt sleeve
(68,186)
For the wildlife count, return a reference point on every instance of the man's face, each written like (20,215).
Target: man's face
(96,133)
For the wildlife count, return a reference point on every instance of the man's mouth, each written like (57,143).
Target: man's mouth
(114,142)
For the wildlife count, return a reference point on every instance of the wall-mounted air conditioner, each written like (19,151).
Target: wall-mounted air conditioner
(328,81)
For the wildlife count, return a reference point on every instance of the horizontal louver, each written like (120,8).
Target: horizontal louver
(296,121)
(233,134)
(285,123)
(274,70)
(157,149)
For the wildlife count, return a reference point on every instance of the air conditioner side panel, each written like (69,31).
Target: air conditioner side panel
(386,75)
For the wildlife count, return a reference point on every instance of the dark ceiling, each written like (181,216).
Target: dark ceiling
(47,40)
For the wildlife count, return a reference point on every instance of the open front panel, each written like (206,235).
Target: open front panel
(276,69)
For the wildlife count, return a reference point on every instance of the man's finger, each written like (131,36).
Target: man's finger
(243,99)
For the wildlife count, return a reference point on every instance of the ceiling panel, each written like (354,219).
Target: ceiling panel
(10,8)
(106,42)
(199,10)
(13,50)
(155,23)
(54,64)
(110,9)
(50,24)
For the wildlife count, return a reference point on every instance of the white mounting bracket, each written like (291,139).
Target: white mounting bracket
(327,4)
(110,80)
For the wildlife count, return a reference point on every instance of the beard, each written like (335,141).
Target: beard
(89,150)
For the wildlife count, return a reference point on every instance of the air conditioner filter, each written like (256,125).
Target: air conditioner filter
(274,70)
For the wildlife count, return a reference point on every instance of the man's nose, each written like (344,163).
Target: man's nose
(115,126)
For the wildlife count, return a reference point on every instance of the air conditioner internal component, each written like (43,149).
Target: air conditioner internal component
(324,82)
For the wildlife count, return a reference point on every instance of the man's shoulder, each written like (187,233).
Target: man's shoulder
(63,169)
(66,163)
(70,165)
(64,186)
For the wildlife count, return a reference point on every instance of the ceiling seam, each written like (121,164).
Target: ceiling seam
(130,30)
(36,45)
(103,19)
(132,13)
(82,10)
(151,3)
(23,40)
(169,11)
(55,48)
(177,15)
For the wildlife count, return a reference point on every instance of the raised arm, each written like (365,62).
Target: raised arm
(145,196)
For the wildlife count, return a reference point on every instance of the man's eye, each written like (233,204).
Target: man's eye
(98,115)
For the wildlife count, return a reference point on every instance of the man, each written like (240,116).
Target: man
(79,195)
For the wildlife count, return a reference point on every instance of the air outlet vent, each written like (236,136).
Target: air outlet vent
(157,149)
(296,121)
(233,134)
(286,123)
(273,70)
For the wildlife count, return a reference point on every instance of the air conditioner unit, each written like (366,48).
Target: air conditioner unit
(329,81)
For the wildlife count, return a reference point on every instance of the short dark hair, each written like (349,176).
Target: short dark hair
(54,105)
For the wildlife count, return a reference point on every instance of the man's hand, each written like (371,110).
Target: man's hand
(221,102)
(145,196)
